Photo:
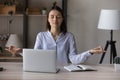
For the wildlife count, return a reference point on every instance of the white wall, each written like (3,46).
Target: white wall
(83,16)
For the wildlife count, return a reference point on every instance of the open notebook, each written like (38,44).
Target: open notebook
(74,68)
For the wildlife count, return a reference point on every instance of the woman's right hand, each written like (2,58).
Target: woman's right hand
(13,49)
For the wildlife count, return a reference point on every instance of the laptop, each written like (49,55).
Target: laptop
(37,60)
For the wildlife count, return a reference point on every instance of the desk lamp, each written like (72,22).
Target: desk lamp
(109,20)
(13,44)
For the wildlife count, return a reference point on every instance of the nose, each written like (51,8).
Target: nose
(55,18)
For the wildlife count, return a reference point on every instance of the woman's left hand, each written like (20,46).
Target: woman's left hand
(97,50)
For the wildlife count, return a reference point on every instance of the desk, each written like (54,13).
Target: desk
(10,59)
(14,72)
(6,57)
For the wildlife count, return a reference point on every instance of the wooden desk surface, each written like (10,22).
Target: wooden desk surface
(14,72)
(10,59)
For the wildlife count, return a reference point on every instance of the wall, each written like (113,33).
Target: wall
(83,16)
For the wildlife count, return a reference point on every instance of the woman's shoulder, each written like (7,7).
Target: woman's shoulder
(69,34)
(43,32)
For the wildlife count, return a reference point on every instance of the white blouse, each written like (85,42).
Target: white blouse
(65,46)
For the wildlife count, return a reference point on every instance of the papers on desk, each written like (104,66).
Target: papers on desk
(75,68)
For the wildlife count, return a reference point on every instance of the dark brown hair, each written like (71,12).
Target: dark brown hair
(63,27)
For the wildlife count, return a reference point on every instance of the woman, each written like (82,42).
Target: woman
(57,38)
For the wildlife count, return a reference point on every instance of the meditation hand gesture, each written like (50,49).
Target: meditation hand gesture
(97,50)
(13,50)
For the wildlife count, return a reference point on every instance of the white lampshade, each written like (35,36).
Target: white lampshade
(109,20)
(14,40)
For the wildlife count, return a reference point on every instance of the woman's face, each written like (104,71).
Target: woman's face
(55,19)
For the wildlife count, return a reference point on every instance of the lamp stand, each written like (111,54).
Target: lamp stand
(113,52)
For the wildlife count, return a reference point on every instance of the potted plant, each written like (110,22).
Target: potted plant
(117,63)
(44,11)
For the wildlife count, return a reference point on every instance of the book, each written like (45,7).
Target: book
(75,68)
